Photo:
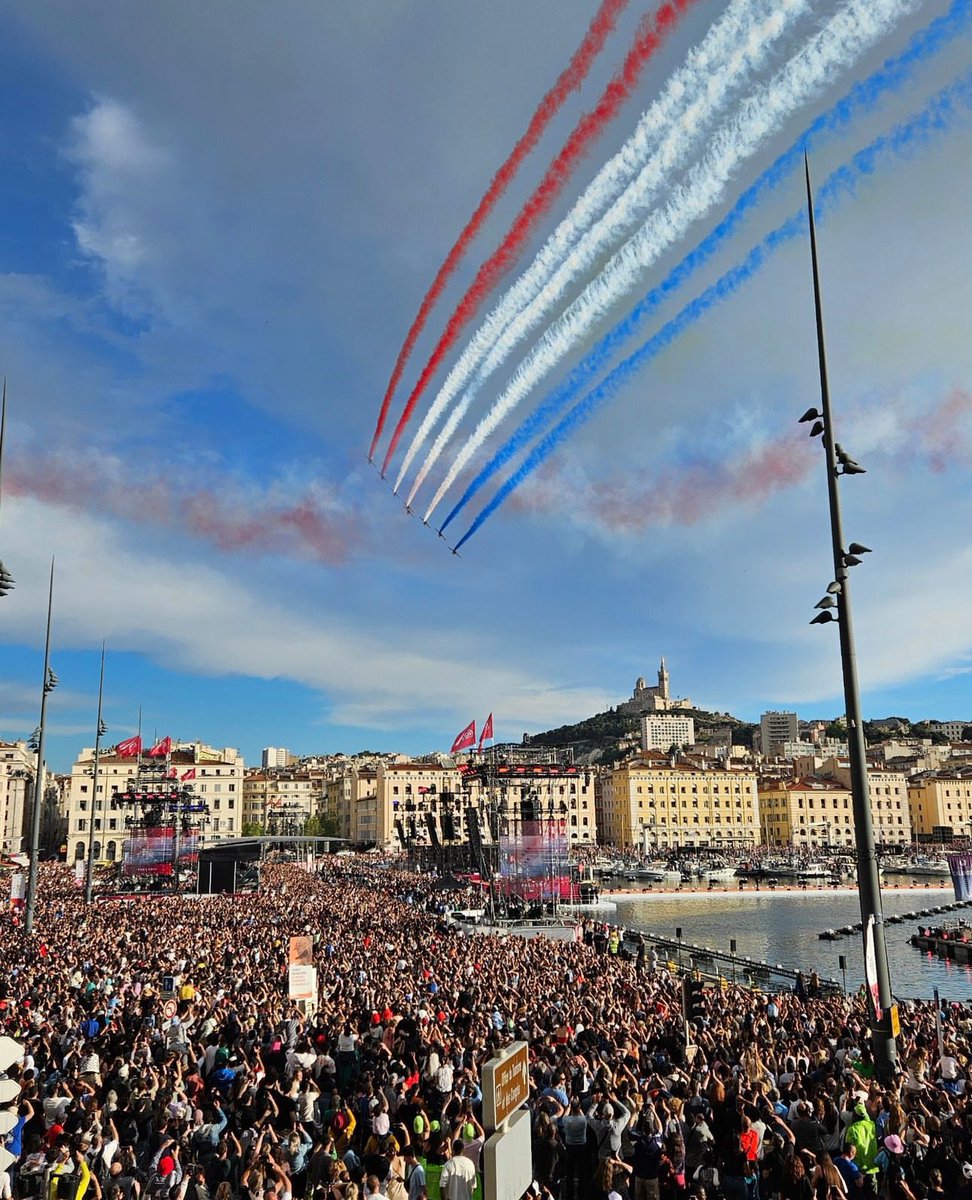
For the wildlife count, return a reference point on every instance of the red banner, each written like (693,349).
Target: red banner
(161,748)
(487,734)
(130,747)
(465,739)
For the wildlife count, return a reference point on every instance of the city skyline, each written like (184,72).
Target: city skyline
(206,274)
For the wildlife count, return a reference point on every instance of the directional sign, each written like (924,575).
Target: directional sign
(506,1084)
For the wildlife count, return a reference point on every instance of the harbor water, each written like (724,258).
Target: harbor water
(784,926)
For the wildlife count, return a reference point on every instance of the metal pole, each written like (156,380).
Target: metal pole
(89,865)
(868,879)
(35,816)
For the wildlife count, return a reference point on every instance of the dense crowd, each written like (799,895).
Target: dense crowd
(377,1094)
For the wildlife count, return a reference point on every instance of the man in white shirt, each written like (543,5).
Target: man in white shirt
(458,1178)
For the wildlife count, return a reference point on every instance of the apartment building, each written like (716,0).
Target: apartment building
(214,775)
(662,803)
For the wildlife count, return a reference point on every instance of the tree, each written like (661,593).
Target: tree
(322,825)
(252,829)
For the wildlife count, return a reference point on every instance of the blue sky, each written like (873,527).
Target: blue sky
(216,225)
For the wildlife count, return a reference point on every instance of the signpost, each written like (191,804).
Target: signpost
(302,987)
(506,1085)
(507,1155)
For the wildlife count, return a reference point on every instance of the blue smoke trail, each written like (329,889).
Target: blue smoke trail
(936,117)
(862,98)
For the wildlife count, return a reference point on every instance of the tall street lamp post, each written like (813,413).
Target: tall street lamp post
(49,684)
(101,730)
(836,606)
(6,579)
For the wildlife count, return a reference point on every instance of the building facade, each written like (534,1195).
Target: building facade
(940,803)
(776,729)
(215,775)
(426,802)
(18,767)
(818,810)
(663,730)
(281,801)
(661,803)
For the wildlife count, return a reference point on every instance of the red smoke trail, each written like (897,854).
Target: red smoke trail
(312,525)
(937,437)
(570,79)
(651,36)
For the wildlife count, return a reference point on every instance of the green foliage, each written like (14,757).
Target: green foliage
(252,829)
(599,730)
(322,825)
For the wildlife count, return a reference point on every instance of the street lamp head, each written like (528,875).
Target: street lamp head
(857,548)
(823,617)
(810,415)
(827,602)
(852,468)
(6,580)
(851,560)
(834,588)
(817,429)
(52,681)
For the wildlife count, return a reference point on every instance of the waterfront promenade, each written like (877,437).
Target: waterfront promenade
(240,1096)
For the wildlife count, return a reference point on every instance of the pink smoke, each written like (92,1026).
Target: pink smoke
(937,437)
(312,525)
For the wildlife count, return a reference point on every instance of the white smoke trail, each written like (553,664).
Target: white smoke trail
(852,31)
(732,50)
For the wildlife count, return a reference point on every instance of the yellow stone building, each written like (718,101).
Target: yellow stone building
(656,802)
(817,810)
(940,800)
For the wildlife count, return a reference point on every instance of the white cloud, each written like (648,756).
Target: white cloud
(120,173)
(205,621)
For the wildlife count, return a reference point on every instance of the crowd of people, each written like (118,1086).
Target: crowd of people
(163,1060)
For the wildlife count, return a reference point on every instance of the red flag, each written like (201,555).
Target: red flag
(465,739)
(161,748)
(190,774)
(130,747)
(173,773)
(487,734)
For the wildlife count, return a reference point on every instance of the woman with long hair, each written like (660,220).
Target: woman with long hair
(826,1181)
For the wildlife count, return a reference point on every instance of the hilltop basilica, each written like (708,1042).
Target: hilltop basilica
(654,699)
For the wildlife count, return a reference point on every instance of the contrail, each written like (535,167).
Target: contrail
(863,97)
(848,34)
(569,81)
(938,116)
(616,202)
(650,38)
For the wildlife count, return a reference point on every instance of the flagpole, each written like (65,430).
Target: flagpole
(50,682)
(89,865)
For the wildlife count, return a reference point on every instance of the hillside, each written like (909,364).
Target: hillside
(599,738)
